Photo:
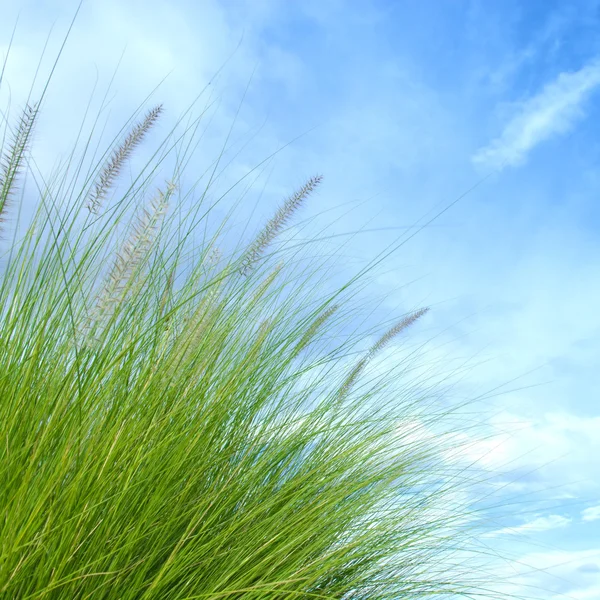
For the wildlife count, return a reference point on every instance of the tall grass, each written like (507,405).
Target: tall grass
(178,421)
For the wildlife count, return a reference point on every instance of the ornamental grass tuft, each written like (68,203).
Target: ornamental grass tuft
(180,420)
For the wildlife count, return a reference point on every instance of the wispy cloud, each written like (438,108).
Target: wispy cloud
(555,575)
(591,514)
(553,111)
(535,526)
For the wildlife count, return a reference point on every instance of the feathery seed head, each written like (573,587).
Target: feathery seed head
(133,251)
(276,223)
(403,324)
(314,328)
(381,343)
(11,162)
(120,155)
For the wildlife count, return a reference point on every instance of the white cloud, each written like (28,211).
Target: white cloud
(536,525)
(555,574)
(591,514)
(556,448)
(553,111)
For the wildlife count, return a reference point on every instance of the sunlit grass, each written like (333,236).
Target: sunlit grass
(179,422)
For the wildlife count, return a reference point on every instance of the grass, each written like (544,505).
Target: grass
(177,422)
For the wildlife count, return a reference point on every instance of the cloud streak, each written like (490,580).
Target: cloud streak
(537,525)
(553,111)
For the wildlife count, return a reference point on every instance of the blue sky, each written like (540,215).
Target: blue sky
(404,106)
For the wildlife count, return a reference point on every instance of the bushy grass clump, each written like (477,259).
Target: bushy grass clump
(181,422)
